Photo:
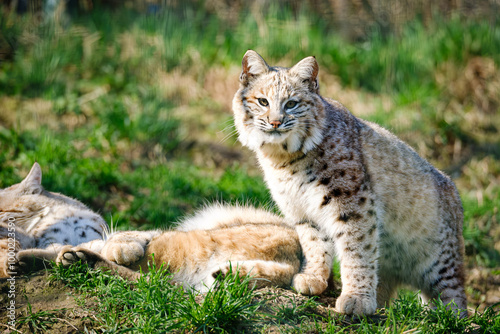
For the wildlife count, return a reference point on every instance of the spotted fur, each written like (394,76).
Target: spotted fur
(353,190)
(32,217)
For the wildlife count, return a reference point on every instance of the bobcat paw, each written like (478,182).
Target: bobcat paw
(309,285)
(356,304)
(122,253)
(69,255)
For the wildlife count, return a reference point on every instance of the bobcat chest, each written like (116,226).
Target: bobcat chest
(297,190)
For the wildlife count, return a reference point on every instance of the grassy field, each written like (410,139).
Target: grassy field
(131,114)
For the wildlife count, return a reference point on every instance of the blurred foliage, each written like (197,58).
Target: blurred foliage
(128,108)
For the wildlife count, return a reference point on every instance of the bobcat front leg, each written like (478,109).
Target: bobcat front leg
(357,246)
(69,255)
(32,260)
(317,260)
(12,240)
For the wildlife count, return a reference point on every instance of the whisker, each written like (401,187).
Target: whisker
(229,135)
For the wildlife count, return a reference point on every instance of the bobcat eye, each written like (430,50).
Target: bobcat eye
(290,104)
(263,102)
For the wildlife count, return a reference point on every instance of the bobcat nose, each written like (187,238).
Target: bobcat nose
(275,124)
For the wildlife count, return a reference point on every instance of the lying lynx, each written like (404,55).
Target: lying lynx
(31,217)
(352,189)
(255,241)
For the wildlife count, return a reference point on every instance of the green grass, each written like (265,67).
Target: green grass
(38,322)
(154,304)
(223,308)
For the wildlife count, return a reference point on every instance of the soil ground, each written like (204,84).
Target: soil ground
(59,306)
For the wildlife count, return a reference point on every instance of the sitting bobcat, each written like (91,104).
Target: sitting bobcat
(31,217)
(352,189)
(208,244)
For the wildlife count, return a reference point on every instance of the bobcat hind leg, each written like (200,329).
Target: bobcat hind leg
(264,273)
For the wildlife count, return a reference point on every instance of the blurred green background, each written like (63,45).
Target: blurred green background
(127,104)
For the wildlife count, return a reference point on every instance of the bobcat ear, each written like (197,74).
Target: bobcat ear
(252,66)
(307,69)
(33,182)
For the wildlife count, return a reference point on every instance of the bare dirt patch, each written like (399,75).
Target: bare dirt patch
(483,287)
(43,305)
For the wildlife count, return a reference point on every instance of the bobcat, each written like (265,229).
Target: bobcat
(31,217)
(216,239)
(353,190)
